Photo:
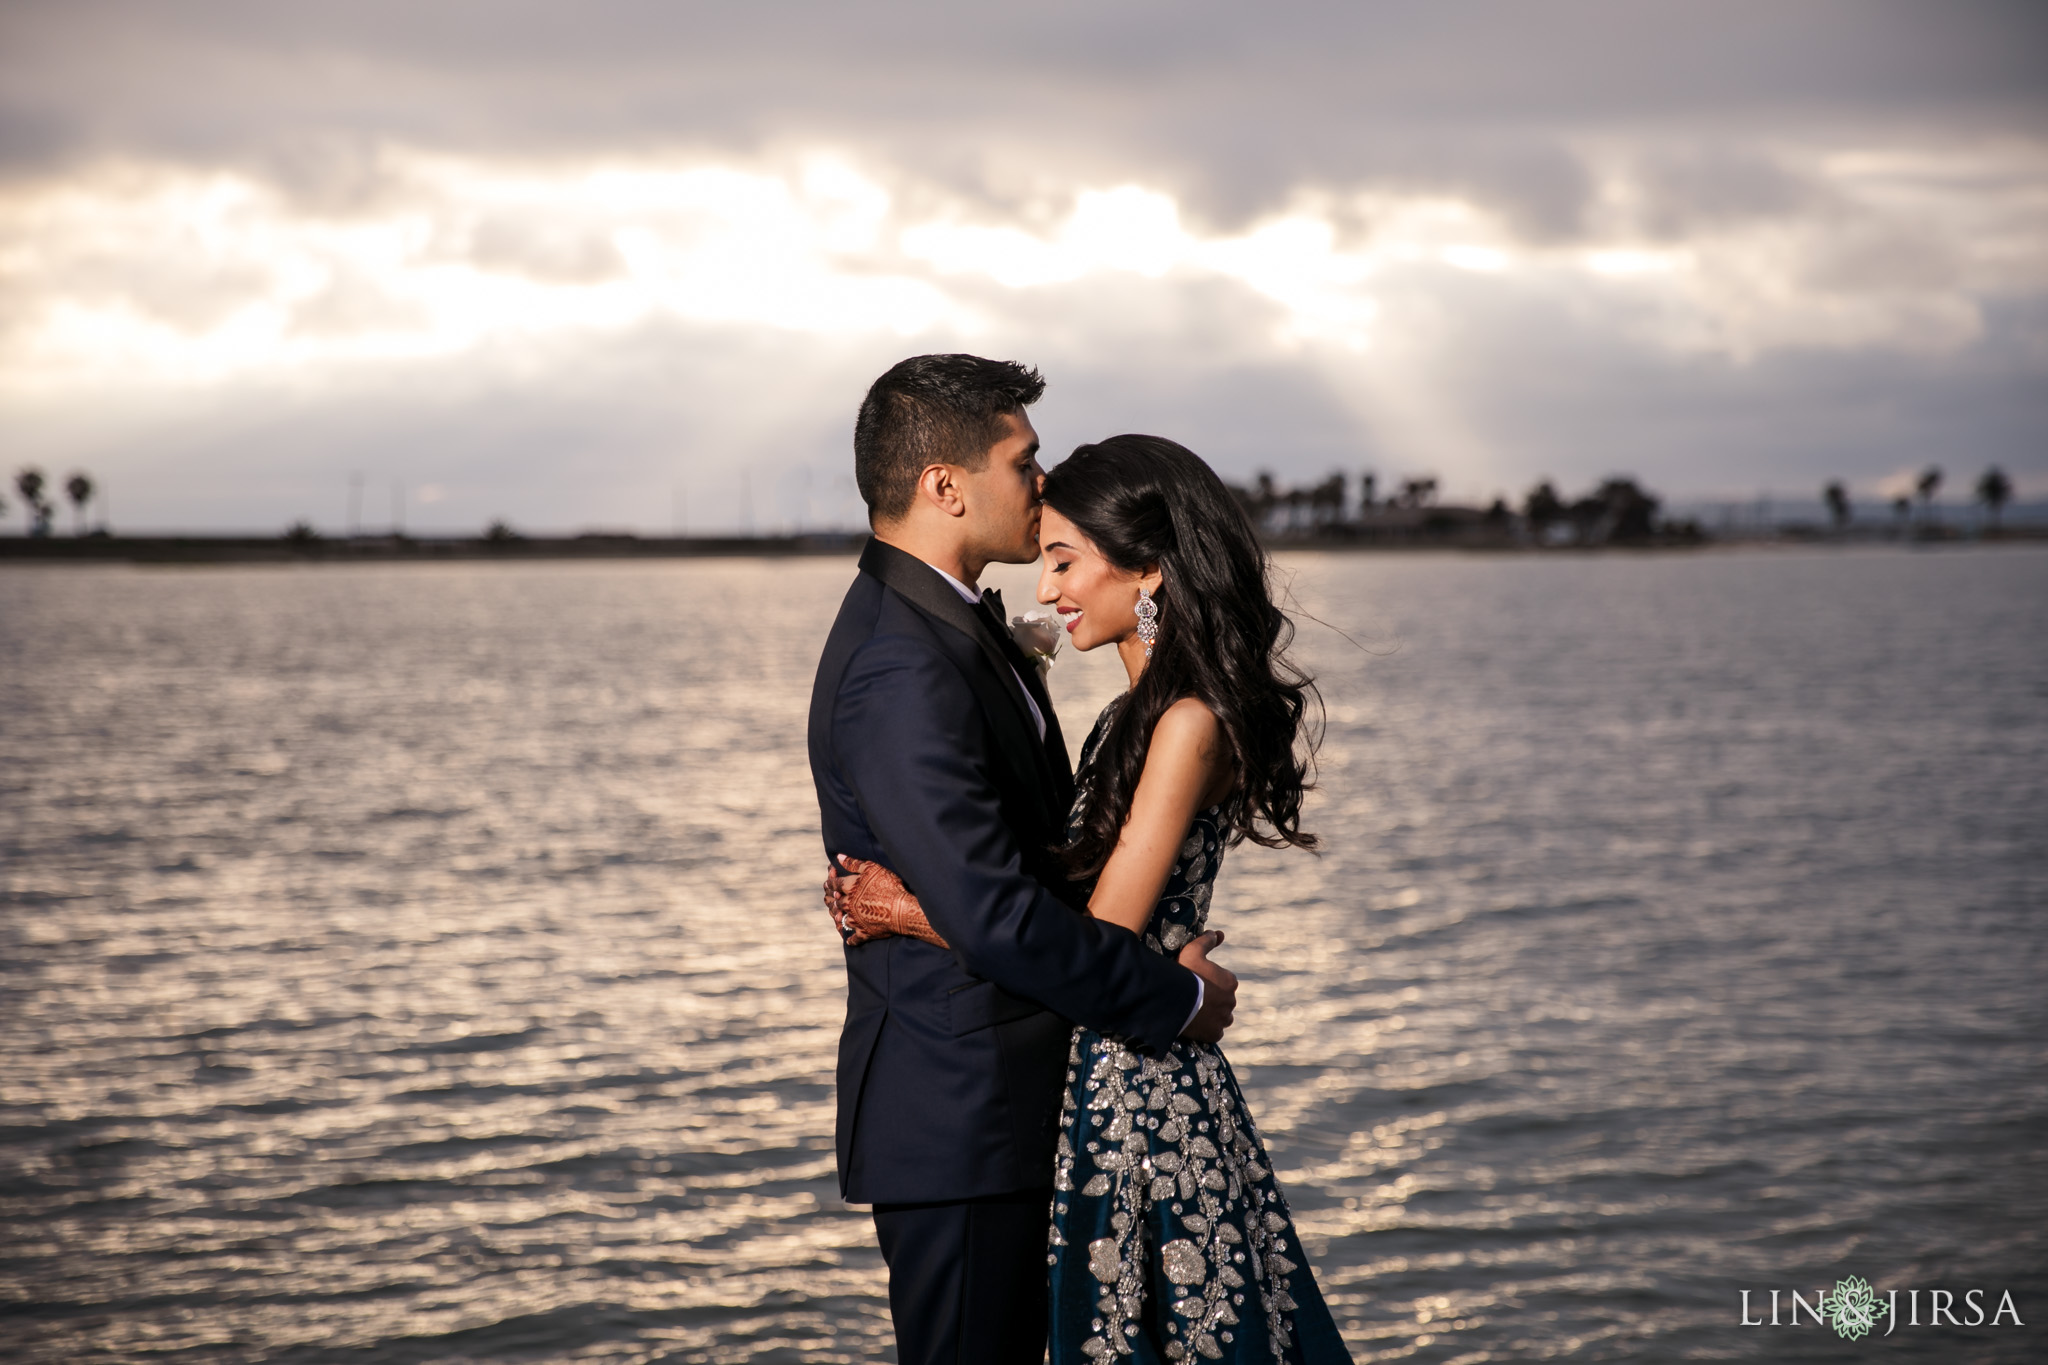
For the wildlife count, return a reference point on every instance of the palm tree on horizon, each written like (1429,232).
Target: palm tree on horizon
(1542,507)
(1994,490)
(80,487)
(1837,499)
(1928,486)
(29,483)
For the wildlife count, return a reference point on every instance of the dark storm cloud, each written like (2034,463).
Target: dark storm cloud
(1234,105)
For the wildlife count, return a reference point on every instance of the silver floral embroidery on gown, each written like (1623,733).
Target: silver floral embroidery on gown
(1170,1238)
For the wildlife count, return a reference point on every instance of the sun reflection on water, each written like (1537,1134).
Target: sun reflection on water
(425,962)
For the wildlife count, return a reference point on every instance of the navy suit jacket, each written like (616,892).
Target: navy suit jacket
(952,1061)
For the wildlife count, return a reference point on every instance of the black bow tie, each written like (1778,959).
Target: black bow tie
(993,599)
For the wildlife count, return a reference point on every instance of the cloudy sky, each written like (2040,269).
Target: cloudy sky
(628,263)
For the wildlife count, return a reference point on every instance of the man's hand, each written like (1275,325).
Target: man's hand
(838,887)
(1219,990)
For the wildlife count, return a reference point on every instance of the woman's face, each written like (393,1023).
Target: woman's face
(1097,601)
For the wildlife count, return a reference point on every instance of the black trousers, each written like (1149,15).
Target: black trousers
(967,1280)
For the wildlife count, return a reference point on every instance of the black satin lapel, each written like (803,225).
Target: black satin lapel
(1055,741)
(1026,668)
(1062,765)
(920,585)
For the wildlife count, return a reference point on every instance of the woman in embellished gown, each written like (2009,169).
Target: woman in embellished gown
(1170,1239)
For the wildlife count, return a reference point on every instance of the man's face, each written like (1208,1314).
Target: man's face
(1002,496)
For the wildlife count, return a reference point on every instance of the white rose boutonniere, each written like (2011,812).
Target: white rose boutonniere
(1039,634)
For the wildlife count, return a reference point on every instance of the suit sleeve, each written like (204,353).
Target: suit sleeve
(910,739)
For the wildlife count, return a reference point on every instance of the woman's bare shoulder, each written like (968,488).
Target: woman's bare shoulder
(1188,721)
(1189,734)
(1189,741)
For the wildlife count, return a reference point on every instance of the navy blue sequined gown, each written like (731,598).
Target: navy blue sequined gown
(1170,1238)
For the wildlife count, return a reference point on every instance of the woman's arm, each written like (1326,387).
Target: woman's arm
(1187,768)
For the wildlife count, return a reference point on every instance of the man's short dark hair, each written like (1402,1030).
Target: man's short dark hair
(933,409)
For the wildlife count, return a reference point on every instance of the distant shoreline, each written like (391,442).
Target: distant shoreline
(409,549)
(173,549)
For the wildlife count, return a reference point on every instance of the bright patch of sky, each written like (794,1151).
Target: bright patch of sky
(157,275)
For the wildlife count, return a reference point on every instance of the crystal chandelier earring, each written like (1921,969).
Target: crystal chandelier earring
(1148,620)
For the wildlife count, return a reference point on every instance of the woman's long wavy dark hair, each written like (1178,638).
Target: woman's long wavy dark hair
(1144,500)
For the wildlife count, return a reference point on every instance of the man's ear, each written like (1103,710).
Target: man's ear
(939,486)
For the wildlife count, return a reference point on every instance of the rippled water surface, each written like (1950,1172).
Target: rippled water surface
(423,963)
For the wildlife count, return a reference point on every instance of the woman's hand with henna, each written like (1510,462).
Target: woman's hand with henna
(871,902)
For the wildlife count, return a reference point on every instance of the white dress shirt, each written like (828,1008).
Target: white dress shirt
(974,598)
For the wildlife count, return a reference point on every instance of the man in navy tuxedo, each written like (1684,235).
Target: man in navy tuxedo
(936,753)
